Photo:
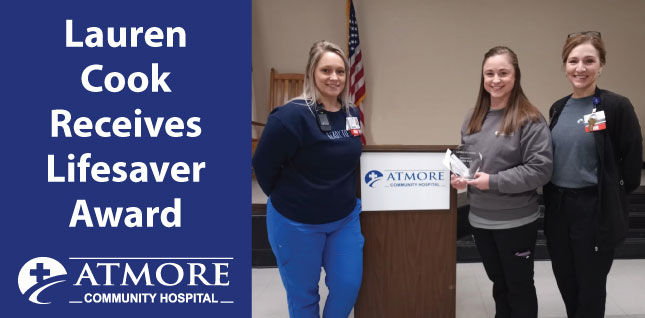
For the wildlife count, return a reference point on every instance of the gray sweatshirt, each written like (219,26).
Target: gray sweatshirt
(518,164)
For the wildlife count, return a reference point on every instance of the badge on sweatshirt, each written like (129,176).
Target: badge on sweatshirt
(353,125)
(595,121)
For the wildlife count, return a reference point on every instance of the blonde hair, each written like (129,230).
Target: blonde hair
(310,93)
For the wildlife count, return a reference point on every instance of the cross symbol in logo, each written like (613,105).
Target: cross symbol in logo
(40,272)
(372,175)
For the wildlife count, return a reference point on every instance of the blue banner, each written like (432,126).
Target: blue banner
(126,159)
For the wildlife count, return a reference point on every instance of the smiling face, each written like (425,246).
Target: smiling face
(582,68)
(330,75)
(499,79)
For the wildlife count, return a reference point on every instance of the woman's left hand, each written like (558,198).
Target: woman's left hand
(481,181)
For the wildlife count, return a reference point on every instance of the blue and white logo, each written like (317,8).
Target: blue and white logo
(373,176)
(38,274)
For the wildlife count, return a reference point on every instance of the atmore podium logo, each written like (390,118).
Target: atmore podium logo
(406,178)
(373,176)
(38,274)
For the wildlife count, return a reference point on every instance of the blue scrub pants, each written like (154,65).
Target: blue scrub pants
(301,249)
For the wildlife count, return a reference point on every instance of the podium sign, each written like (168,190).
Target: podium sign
(409,258)
(404,181)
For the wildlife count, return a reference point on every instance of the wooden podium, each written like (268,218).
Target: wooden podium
(409,255)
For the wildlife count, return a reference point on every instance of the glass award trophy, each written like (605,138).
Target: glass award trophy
(463,161)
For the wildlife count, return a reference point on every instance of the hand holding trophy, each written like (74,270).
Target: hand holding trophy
(464,161)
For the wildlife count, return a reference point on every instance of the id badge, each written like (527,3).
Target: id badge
(595,121)
(353,125)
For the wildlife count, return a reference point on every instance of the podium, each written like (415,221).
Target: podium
(409,223)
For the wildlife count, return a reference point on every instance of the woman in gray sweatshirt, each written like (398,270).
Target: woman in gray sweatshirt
(515,144)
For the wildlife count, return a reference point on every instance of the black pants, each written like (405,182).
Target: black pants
(580,267)
(508,259)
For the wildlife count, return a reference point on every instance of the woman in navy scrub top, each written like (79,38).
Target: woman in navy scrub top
(306,163)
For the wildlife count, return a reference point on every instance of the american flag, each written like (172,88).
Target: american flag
(356,76)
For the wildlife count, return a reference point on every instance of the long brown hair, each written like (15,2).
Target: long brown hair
(519,109)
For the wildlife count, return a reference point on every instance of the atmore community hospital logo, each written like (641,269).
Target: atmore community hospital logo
(121,280)
(406,178)
(373,176)
(38,274)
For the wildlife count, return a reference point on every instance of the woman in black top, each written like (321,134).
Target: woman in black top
(597,160)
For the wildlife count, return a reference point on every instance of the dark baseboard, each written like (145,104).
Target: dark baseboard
(632,248)
(263,258)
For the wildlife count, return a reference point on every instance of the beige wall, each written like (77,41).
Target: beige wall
(422,58)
